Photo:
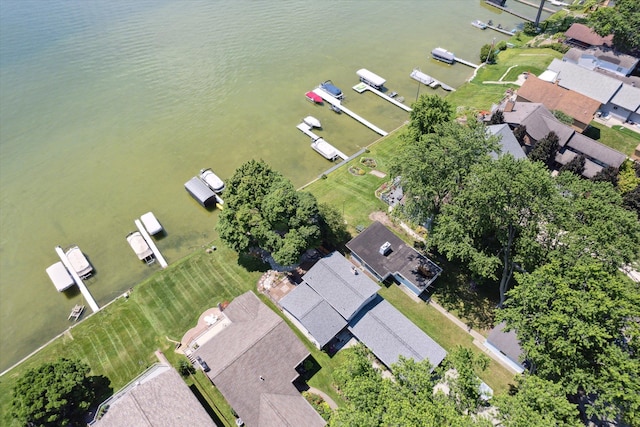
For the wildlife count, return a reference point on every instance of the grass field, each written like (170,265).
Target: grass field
(621,139)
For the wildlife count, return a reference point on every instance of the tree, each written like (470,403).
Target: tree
(631,200)
(487,54)
(520,132)
(608,174)
(464,384)
(578,324)
(186,368)
(575,165)
(428,112)
(494,221)
(622,20)
(434,166)
(627,178)
(263,209)
(333,227)
(53,394)
(536,402)
(497,118)
(545,150)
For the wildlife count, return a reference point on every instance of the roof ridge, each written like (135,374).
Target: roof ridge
(384,325)
(275,407)
(316,304)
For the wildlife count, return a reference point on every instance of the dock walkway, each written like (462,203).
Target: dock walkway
(546,9)
(336,102)
(500,30)
(508,10)
(363,87)
(319,144)
(467,63)
(83,288)
(151,244)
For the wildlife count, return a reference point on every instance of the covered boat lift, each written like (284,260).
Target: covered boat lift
(443,55)
(201,192)
(60,276)
(370,78)
(140,247)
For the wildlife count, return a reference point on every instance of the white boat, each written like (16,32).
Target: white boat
(423,78)
(325,149)
(79,262)
(370,78)
(479,24)
(212,180)
(443,55)
(312,121)
(140,247)
(151,224)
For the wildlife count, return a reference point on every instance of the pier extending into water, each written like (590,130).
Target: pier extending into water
(151,243)
(83,288)
(336,102)
(363,87)
(318,143)
(467,63)
(508,10)
(546,9)
(500,30)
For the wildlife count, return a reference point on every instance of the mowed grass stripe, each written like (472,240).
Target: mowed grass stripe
(198,287)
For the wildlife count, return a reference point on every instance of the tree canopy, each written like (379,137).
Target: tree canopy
(494,220)
(428,112)
(53,394)
(578,325)
(434,166)
(263,209)
(622,20)
(545,150)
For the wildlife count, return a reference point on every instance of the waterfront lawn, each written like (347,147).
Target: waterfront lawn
(623,140)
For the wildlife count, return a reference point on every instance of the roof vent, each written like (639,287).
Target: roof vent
(385,249)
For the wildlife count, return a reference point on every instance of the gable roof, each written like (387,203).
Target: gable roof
(627,97)
(538,120)
(158,397)
(589,83)
(601,54)
(333,279)
(253,364)
(578,106)
(314,313)
(586,35)
(596,150)
(389,335)
(508,141)
(402,259)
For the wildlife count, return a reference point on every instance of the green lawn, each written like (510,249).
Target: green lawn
(621,139)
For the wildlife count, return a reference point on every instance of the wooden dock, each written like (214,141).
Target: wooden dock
(500,30)
(319,142)
(546,9)
(467,63)
(363,87)
(512,12)
(336,102)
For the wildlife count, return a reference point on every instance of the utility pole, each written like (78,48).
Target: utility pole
(539,13)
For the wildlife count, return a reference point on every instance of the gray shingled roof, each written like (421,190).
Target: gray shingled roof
(538,120)
(596,150)
(314,313)
(508,141)
(253,364)
(587,82)
(627,97)
(402,259)
(389,335)
(506,342)
(158,399)
(333,279)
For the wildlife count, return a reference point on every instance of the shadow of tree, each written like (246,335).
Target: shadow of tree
(253,263)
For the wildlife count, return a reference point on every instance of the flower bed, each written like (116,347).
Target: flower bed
(354,170)
(369,162)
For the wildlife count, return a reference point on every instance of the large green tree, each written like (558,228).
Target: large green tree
(536,402)
(579,325)
(622,20)
(428,112)
(494,222)
(263,209)
(53,394)
(545,150)
(434,166)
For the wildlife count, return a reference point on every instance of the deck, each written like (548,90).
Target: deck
(336,102)
(363,87)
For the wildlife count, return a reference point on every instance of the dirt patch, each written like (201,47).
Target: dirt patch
(378,173)
(382,217)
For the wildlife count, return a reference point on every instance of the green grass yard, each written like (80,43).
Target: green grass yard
(621,139)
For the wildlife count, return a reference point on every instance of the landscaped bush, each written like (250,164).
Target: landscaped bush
(354,170)
(369,162)
(318,404)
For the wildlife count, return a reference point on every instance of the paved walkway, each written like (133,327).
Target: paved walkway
(324,395)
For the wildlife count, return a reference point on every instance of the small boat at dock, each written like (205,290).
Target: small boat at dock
(479,24)
(443,55)
(140,247)
(313,97)
(60,276)
(331,89)
(212,180)
(151,224)
(312,122)
(79,262)
(423,78)
(76,312)
(335,109)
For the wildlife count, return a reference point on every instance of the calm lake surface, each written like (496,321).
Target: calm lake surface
(107,107)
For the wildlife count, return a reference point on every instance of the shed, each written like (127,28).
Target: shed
(200,191)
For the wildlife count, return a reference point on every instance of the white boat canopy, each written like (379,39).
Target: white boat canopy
(151,224)
(370,78)
(60,277)
(139,245)
(79,262)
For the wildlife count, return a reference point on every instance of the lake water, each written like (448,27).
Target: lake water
(108,107)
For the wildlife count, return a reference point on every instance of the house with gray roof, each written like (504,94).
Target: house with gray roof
(386,256)
(506,346)
(253,363)
(375,322)
(389,335)
(539,122)
(158,397)
(602,58)
(619,99)
(508,142)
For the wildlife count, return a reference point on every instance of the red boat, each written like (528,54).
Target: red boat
(313,97)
